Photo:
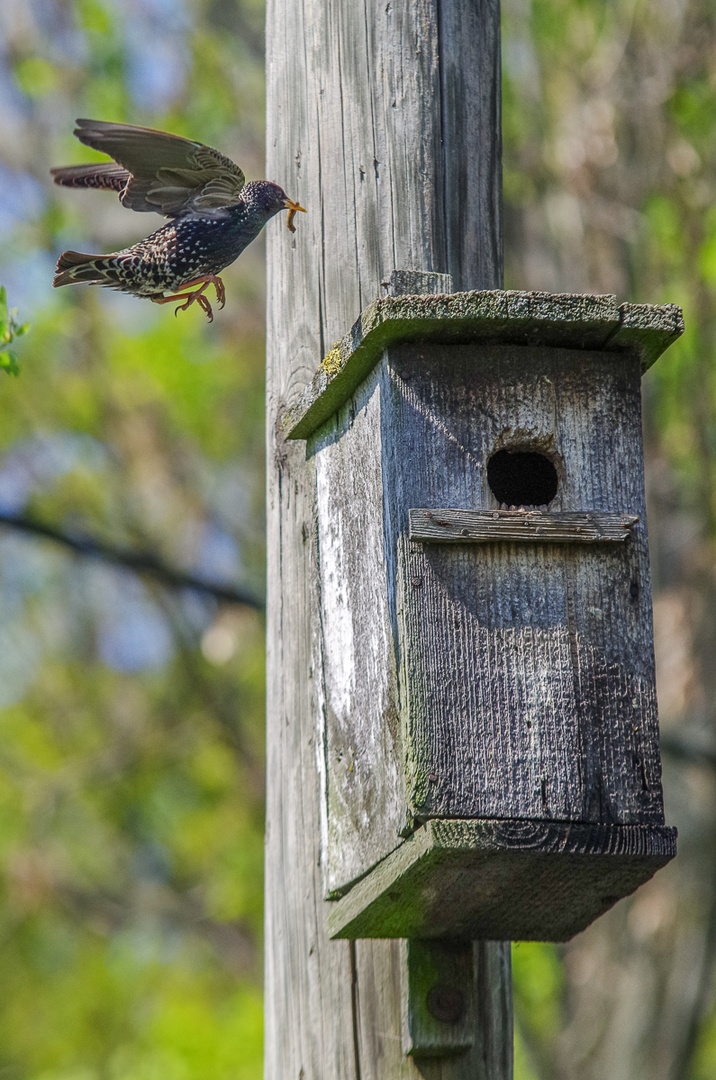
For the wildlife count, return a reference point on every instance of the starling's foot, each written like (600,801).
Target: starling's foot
(196,296)
(201,300)
(220,290)
(209,279)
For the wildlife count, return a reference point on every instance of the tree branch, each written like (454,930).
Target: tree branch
(140,562)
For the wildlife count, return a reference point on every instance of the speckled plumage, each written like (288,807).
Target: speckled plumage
(215,215)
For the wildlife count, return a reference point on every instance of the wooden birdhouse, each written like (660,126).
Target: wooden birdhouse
(487,719)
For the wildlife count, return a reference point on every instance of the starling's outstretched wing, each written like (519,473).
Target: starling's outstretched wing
(158,172)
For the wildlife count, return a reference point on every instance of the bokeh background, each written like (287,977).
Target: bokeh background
(131,710)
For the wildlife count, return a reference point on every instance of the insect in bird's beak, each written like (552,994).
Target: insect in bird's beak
(293,208)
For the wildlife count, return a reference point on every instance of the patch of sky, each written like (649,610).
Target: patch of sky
(156,73)
(14,105)
(28,281)
(157,53)
(23,198)
(198,609)
(161,10)
(31,466)
(132,633)
(56,26)
(219,556)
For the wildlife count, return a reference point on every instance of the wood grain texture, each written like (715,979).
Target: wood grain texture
(542,881)
(451,526)
(529,668)
(365,806)
(417,283)
(359,131)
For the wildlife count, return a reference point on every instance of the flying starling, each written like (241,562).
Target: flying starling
(214,213)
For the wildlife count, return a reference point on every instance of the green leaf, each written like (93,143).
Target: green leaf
(8,361)
(94,16)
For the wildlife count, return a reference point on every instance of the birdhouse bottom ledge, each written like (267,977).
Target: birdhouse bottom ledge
(498,879)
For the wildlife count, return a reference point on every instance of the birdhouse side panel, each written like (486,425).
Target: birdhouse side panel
(360,746)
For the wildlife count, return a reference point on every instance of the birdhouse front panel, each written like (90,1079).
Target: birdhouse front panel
(526,660)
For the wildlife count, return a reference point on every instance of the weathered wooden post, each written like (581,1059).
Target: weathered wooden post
(384,120)
(462,739)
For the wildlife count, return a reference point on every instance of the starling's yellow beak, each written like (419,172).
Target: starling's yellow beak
(293,208)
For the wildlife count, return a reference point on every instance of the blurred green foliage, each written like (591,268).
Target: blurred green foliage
(10,329)
(131,727)
(131,719)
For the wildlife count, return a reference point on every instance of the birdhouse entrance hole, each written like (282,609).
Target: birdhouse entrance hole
(522,477)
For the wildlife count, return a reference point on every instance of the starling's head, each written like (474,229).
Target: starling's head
(270,198)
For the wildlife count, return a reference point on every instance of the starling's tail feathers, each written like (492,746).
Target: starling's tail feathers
(103,175)
(75,267)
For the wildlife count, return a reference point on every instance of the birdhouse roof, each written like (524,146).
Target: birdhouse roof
(497,317)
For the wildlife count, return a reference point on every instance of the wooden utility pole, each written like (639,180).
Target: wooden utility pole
(384,121)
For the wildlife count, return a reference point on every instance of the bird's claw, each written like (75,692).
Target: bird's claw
(197,296)
(200,299)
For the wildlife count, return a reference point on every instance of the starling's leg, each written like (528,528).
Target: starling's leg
(189,298)
(210,279)
(203,302)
